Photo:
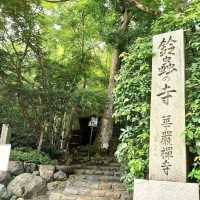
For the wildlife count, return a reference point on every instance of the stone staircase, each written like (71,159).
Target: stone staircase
(95,179)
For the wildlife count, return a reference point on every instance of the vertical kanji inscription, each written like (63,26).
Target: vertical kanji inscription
(167,141)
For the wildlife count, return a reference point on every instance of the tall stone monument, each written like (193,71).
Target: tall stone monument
(167,122)
(167,159)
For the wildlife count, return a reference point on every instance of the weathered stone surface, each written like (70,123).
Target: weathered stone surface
(157,190)
(56,185)
(36,173)
(4,194)
(118,187)
(27,185)
(13,198)
(41,197)
(15,167)
(64,168)
(60,176)
(29,167)
(47,172)
(167,141)
(5,177)
(57,196)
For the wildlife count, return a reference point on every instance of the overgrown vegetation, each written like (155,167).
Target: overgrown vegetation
(132,94)
(31,156)
(54,68)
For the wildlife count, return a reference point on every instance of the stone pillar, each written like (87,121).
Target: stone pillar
(167,121)
(167,160)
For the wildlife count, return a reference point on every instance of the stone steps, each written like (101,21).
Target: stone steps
(94,162)
(84,191)
(96,178)
(112,186)
(96,172)
(92,180)
(96,167)
(64,196)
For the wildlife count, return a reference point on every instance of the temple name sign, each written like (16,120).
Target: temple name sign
(167,158)
(167,124)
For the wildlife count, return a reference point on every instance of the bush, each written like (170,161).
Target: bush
(132,110)
(29,155)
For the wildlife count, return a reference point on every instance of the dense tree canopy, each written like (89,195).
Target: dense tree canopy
(62,60)
(53,65)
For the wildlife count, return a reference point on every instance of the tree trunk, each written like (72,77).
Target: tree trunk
(107,123)
(106,129)
(40,143)
(43,130)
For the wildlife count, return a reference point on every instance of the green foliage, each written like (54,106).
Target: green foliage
(29,155)
(132,110)
(132,93)
(52,152)
(195,173)
(91,101)
(51,64)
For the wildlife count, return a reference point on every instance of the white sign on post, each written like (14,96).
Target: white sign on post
(4,156)
(93,122)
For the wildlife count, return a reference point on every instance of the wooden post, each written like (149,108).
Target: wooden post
(5,148)
(5,134)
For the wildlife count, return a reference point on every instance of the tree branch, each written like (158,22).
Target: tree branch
(12,42)
(144,8)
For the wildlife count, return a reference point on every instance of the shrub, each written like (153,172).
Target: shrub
(29,155)
(132,110)
(53,152)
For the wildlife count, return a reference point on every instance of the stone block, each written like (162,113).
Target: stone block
(60,176)
(47,172)
(16,168)
(27,186)
(157,190)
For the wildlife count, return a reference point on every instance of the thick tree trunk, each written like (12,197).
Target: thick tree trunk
(107,123)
